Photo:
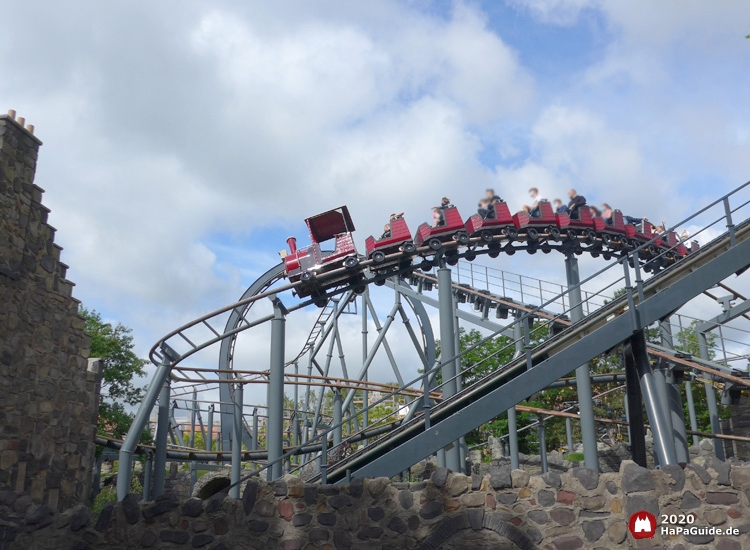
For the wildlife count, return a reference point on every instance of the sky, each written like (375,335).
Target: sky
(185,140)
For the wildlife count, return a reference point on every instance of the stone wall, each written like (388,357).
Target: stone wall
(502,510)
(49,394)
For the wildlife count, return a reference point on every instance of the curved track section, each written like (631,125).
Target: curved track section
(415,435)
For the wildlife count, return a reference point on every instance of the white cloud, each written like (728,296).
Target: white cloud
(177,135)
(557,12)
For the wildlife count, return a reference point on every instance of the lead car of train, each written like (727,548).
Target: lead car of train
(316,270)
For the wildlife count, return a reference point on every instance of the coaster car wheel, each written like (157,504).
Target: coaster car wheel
(378,256)
(532,234)
(607,239)
(511,232)
(409,248)
(426,265)
(509,250)
(607,257)
(435,244)
(591,236)
(452,260)
(379,282)
(487,236)
(555,233)
(462,238)
(546,249)
(320,300)
(306,276)
(351,261)
(360,288)
(653,250)
(470,256)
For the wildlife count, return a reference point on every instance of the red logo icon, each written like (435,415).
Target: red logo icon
(642,525)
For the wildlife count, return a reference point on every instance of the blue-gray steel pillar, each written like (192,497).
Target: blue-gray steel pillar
(148,470)
(210,439)
(691,410)
(663,441)
(193,413)
(125,466)
(337,418)
(542,445)
(662,401)
(256,445)
(448,350)
(275,422)
(627,416)
(713,409)
(569,433)
(239,402)
(583,376)
(518,334)
(674,399)
(365,351)
(441,458)
(462,447)
(162,427)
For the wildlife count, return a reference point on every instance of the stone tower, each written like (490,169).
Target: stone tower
(49,394)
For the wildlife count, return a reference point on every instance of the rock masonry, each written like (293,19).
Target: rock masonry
(49,390)
(503,509)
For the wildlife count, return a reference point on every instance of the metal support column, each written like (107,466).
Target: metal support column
(275,420)
(162,428)
(210,439)
(583,379)
(239,402)
(659,425)
(713,409)
(462,447)
(256,445)
(337,418)
(542,444)
(148,470)
(691,410)
(138,425)
(447,352)
(627,415)
(518,336)
(634,401)
(674,399)
(193,414)
(569,433)
(365,394)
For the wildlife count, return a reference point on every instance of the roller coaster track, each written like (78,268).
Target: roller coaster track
(422,434)
(711,368)
(604,329)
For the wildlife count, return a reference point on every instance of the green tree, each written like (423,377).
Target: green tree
(120,368)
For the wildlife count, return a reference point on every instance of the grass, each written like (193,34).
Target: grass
(109,494)
(574,457)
